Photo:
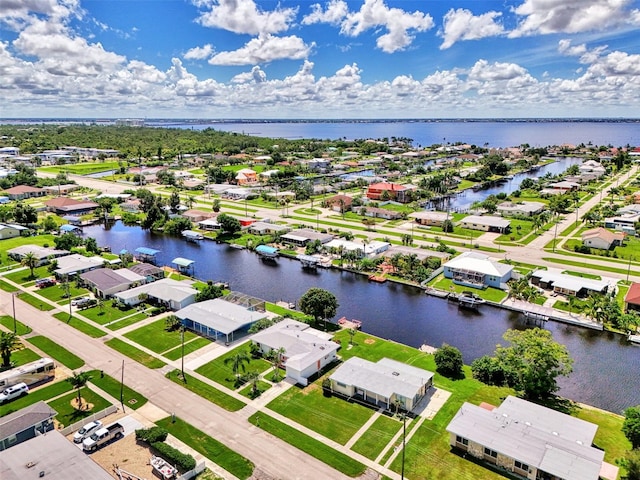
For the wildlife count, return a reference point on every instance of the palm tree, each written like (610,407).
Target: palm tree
(79,380)
(31,261)
(9,341)
(253,378)
(278,357)
(237,362)
(352,332)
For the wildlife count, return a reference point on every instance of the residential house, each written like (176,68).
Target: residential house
(339,203)
(61,189)
(306,350)
(473,269)
(625,223)
(522,209)
(302,236)
(370,249)
(267,228)
(632,298)
(602,238)
(530,440)
(486,223)
(565,284)
(218,318)
(198,215)
(431,219)
(8,230)
(52,457)
(591,170)
(43,254)
(210,224)
(246,176)
(104,282)
(378,212)
(560,187)
(26,423)
(171,293)
(386,383)
(420,253)
(150,272)
(22,192)
(75,264)
(390,191)
(239,193)
(68,206)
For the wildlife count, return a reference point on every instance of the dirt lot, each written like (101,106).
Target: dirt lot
(128,455)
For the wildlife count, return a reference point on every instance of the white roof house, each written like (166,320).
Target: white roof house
(75,263)
(525,437)
(570,284)
(43,254)
(307,350)
(216,317)
(386,381)
(472,268)
(173,293)
(522,208)
(485,222)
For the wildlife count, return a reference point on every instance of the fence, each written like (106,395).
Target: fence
(91,418)
(192,473)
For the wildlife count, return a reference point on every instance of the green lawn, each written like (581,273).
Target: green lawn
(67,414)
(217,371)
(8,322)
(211,448)
(80,325)
(156,338)
(24,276)
(261,388)
(22,356)
(43,393)
(377,436)
(82,168)
(135,353)
(332,417)
(131,398)
(57,293)
(489,293)
(205,390)
(126,321)
(189,347)
(8,287)
(109,314)
(58,353)
(307,444)
(35,302)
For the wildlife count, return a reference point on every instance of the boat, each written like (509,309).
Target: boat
(634,339)
(191,236)
(163,468)
(468,299)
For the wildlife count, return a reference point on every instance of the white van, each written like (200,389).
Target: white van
(14,391)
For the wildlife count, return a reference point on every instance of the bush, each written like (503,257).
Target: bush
(151,435)
(181,461)
(449,361)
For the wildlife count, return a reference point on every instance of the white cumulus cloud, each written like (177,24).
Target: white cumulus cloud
(335,12)
(244,17)
(199,53)
(256,75)
(265,48)
(461,24)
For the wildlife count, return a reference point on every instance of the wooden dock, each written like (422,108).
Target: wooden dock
(377,278)
(350,324)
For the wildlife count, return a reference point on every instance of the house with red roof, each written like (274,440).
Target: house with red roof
(21,192)
(70,206)
(632,298)
(394,191)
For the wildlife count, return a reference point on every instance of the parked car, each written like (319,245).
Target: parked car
(102,436)
(45,282)
(79,302)
(14,391)
(87,430)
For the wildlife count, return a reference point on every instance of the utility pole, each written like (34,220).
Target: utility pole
(122,387)
(404,437)
(13,304)
(628,271)
(182,362)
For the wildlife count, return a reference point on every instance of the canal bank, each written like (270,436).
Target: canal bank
(603,376)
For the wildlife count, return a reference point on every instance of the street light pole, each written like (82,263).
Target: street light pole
(13,304)
(628,268)
(404,437)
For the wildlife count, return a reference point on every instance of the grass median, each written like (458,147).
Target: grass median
(134,353)
(113,387)
(206,391)
(79,325)
(9,323)
(58,353)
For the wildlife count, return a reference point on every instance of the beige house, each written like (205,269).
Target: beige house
(530,440)
(602,238)
(486,223)
(431,219)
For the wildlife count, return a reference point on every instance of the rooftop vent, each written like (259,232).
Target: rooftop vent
(395,373)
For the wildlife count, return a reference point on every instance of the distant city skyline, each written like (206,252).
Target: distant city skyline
(320,60)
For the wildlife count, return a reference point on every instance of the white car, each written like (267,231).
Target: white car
(14,391)
(87,430)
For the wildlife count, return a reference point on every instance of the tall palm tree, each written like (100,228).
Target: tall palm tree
(253,378)
(277,356)
(9,341)
(79,380)
(237,363)
(31,261)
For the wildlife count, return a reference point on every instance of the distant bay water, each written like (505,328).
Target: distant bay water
(425,133)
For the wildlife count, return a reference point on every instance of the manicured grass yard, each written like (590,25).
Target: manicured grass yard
(313,447)
(35,302)
(44,393)
(24,276)
(377,437)
(217,371)
(8,322)
(189,347)
(205,390)
(332,417)
(156,338)
(22,356)
(132,399)
(126,321)
(261,387)
(58,353)
(135,353)
(68,415)
(212,449)
(80,325)
(56,293)
(109,314)
(489,293)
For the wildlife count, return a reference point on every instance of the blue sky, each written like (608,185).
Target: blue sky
(328,59)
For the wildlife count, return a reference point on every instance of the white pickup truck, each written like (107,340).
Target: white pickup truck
(102,437)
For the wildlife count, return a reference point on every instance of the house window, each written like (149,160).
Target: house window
(342,385)
(462,440)
(490,453)
(521,466)
(12,439)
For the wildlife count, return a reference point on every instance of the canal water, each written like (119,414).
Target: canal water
(465,199)
(606,371)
